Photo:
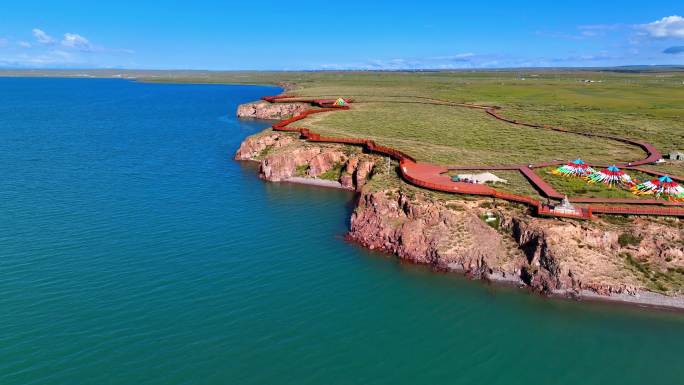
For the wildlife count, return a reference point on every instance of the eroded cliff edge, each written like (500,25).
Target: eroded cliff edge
(638,260)
(500,241)
(283,157)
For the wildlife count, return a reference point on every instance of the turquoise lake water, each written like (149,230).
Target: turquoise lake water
(133,250)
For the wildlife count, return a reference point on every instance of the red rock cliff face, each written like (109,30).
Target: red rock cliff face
(254,146)
(571,255)
(283,157)
(445,235)
(552,256)
(265,110)
(312,160)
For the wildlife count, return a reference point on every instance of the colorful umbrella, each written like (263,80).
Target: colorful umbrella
(663,186)
(575,168)
(611,176)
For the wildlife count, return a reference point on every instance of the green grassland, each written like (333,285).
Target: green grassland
(641,106)
(392,107)
(395,108)
(458,136)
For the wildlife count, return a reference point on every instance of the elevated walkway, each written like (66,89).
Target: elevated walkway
(434,177)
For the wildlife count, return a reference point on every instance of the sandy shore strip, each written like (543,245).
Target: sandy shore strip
(316,182)
(641,298)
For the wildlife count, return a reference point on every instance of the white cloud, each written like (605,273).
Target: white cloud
(73,42)
(72,50)
(667,27)
(76,41)
(42,37)
(69,41)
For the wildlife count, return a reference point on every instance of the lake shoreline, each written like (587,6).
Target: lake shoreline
(627,296)
(317,182)
(641,299)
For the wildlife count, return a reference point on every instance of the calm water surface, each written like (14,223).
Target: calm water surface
(133,250)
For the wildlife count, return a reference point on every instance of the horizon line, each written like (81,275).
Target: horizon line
(427,69)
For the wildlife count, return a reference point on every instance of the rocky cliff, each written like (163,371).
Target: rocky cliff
(503,242)
(447,235)
(611,256)
(265,110)
(283,157)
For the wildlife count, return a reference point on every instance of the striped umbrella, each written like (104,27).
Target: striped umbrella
(340,102)
(663,186)
(575,168)
(611,176)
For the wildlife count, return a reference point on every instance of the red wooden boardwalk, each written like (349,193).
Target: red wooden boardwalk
(435,177)
(540,184)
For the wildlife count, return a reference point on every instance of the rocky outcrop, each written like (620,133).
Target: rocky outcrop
(570,255)
(282,157)
(254,146)
(325,161)
(548,255)
(279,167)
(362,173)
(445,235)
(357,171)
(272,111)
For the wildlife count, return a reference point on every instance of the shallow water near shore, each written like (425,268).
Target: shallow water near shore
(134,250)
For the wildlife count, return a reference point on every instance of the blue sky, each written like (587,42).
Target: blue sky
(281,35)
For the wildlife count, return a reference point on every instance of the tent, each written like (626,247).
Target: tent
(340,102)
(663,186)
(611,176)
(575,168)
(485,177)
